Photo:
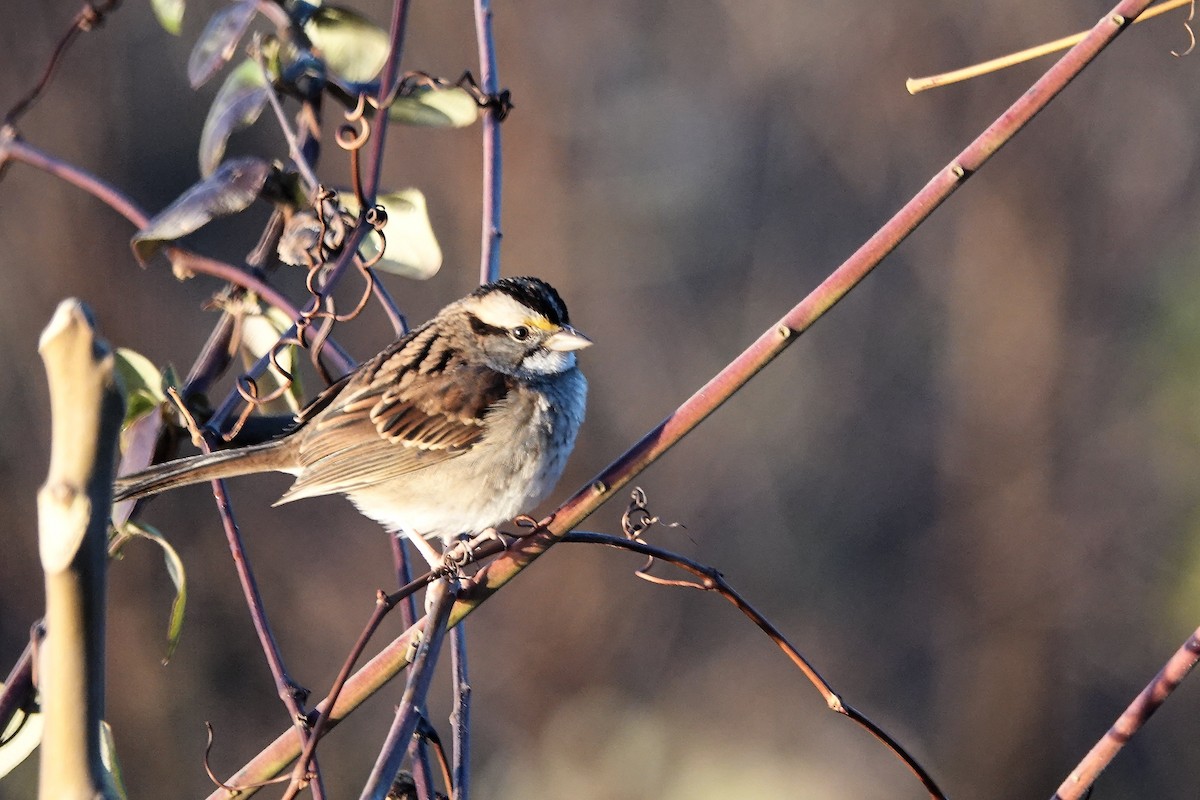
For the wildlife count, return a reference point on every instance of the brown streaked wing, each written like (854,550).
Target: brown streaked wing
(392,427)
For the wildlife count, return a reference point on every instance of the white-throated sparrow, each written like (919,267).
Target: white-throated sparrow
(457,427)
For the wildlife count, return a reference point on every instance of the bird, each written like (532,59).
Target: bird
(463,424)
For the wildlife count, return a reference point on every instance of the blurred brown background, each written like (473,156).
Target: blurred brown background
(968,494)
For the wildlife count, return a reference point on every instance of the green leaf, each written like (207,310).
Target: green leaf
(411,249)
(237,105)
(178,577)
(138,375)
(21,737)
(219,41)
(353,47)
(114,782)
(170,14)
(433,106)
(230,189)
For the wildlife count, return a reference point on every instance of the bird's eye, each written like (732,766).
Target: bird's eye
(520,333)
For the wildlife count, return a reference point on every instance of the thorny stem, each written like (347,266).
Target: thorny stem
(713,581)
(1079,782)
(721,387)
(489,266)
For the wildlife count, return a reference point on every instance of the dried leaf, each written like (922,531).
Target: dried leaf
(230,189)
(219,41)
(237,105)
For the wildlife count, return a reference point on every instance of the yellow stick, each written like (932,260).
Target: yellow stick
(915,85)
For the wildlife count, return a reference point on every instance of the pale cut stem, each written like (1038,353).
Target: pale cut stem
(915,85)
(74,506)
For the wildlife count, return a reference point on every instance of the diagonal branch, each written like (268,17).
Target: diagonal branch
(1079,783)
(721,387)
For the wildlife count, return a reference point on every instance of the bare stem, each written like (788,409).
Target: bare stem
(489,265)
(284,686)
(915,85)
(74,506)
(1078,784)
(388,80)
(88,17)
(387,766)
(460,717)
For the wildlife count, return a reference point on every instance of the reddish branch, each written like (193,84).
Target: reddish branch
(718,390)
(1079,782)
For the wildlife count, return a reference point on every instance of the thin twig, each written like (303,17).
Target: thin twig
(489,264)
(326,711)
(286,688)
(306,170)
(388,81)
(421,768)
(394,314)
(387,766)
(915,85)
(460,717)
(1080,781)
(21,151)
(710,579)
(87,18)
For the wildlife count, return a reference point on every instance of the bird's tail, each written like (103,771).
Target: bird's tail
(204,467)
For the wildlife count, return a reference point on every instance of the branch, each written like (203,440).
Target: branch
(1079,782)
(288,690)
(721,387)
(489,251)
(916,85)
(387,766)
(88,18)
(460,717)
(388,83)
(17,150)
(779,336)
(73,511)
(712,580)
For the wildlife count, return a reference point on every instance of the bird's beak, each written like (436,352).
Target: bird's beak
(567,339)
